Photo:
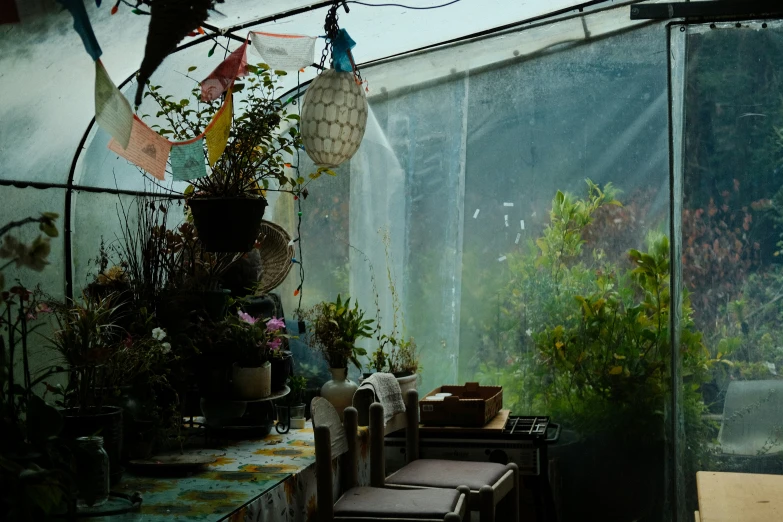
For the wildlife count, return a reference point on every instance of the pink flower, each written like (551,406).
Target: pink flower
(275,324)
(275,343)
(249,319)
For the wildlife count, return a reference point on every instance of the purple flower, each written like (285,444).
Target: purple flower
(249,319)
(274,344)
(275,324)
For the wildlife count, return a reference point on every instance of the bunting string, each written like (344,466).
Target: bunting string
(135,141)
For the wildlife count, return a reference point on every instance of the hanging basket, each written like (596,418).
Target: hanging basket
(227,224)
(276,255)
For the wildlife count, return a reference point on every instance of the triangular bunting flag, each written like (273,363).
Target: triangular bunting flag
(147,149)
(187,160)
(112,111)
(218,130)
(287,52)
(81,22)
(224,75)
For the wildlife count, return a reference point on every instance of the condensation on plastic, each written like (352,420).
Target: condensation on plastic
(514,133)
(47,81)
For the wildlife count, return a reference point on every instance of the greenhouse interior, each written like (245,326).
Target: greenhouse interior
(514,261)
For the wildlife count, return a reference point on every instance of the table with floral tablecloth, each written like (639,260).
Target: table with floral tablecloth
(267,480)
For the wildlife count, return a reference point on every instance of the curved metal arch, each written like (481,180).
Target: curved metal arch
(577,10)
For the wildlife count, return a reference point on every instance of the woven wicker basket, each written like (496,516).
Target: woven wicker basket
(276,255)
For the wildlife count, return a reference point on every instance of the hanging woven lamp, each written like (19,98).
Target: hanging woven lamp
(334,118)
(334,111)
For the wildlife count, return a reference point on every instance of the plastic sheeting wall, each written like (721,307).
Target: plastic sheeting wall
(512,134)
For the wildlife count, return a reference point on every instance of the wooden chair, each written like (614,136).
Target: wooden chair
(372,504)
(489,482)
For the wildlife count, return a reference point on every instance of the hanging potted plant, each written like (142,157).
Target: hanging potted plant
(335,329)
(228,204)
(256,342)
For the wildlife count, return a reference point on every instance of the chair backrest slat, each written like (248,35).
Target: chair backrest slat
(323,473)
(324,414)
(351,458)
(377,456)
(412,427)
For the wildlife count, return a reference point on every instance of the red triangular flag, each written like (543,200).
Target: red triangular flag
(224,75)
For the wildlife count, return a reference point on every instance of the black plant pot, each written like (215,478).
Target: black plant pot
(281,369)
(227,224)
(216,303)
(214,377)
(105,422)
(607,478)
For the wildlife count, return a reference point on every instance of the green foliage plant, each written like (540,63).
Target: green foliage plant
(298,386)
(609,370)
(258,138)
(336,327)
(587,341)
(86,337)
(395,353)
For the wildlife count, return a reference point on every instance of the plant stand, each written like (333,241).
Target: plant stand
(256,422)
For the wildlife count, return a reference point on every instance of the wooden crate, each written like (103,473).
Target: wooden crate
(470,405)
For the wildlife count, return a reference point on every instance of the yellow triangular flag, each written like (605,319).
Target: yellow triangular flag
(218,130)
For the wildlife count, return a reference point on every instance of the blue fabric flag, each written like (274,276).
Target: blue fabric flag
(187,160)
(81,22)
(341,46)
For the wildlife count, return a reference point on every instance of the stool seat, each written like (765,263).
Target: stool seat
(425,504)
(435,473)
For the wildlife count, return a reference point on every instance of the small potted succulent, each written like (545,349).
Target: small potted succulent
(256,342)
(291,414)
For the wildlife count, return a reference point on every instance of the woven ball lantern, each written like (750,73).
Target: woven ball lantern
(334,118)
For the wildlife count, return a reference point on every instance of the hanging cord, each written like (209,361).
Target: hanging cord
(331,28)
(299,199)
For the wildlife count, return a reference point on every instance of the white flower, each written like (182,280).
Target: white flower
(158,334)
(529,332)
(166,347)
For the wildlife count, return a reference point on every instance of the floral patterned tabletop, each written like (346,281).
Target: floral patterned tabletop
(267,480)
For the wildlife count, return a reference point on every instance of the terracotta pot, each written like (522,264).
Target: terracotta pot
(252,383)
(339,390)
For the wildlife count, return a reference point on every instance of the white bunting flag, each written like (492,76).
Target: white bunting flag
(112,111)
(287,52)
